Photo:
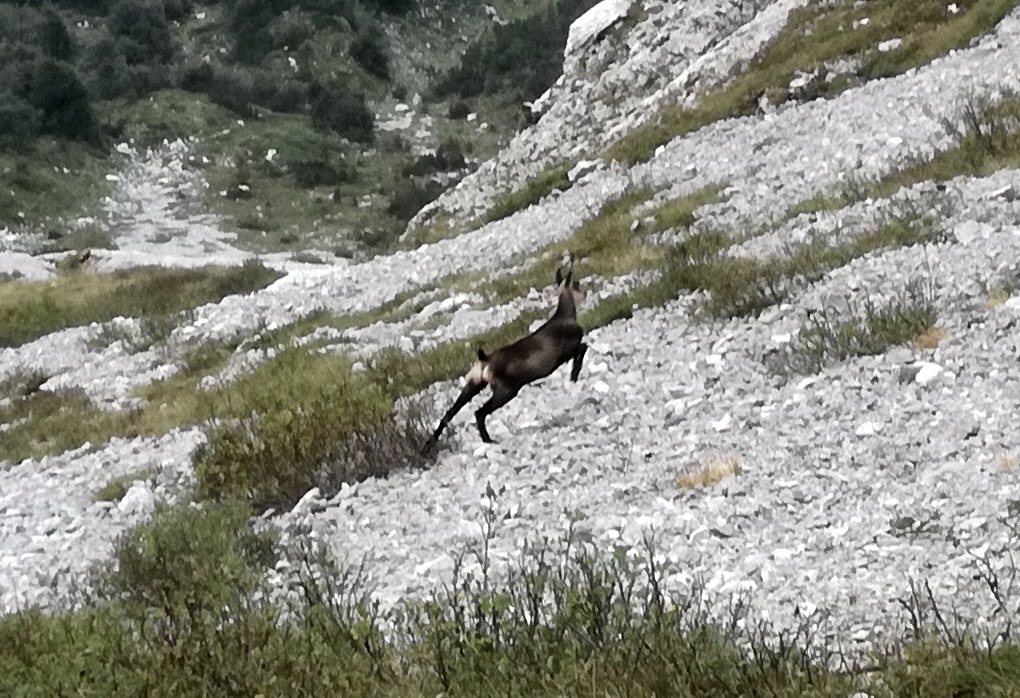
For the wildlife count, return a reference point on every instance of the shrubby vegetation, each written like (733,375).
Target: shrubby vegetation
(867,329)
(335,108)
(185,611)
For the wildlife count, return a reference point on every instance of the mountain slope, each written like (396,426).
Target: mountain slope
(843,482)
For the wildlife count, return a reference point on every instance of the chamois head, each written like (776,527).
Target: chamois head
(510,368)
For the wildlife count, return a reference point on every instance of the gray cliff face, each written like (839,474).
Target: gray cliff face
(854,482)
(623,61)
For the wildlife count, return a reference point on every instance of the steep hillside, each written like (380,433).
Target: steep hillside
(313,126)
(797,227)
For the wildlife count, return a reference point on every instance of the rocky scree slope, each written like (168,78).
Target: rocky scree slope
(852,483)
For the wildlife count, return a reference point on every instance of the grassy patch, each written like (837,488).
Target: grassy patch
(49,178)
(29,310)
(679,213)
(46,422)
(168,115)
(533,191)
(438,229)
(868,330)
(931,337)
(988,139)
(812,37)
(52,422)
(21,384)
(1000,292)
(987,136)
(739,287)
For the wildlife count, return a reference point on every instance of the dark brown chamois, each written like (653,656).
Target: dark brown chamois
(510,368)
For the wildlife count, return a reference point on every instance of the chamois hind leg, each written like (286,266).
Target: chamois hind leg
(501,395)
(575,370)
(466,395)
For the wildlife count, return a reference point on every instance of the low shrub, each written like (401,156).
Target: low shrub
(863,329)
(334,107)
(307,421)
(409,197)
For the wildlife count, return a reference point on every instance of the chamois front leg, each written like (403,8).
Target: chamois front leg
(575,370)
(501,395)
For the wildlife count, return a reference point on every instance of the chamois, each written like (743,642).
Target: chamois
(510,368)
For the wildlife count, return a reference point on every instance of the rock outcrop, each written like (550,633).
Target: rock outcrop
(623,62)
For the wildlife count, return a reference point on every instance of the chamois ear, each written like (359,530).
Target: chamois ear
(576,291)
(559,277)
(481,355)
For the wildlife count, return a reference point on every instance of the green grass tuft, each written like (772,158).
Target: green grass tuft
(533,191)
(743,287)
(52,422)
(303,420)
(987,136)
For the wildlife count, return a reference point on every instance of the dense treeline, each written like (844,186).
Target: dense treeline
(522,58)
(49,85)
(40,92)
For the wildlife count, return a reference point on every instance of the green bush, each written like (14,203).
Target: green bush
(53,37)
(336,108)
(110,75)
(18,118)
(865,330)
(448,156)
(320,172)
(409,197)
(188,561)
(60,98)
(41,91)
(310,422)
(459,110)
(141,31)
(563,618)
(369,50)
(249,24)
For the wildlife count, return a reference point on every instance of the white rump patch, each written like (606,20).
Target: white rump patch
(480,373)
